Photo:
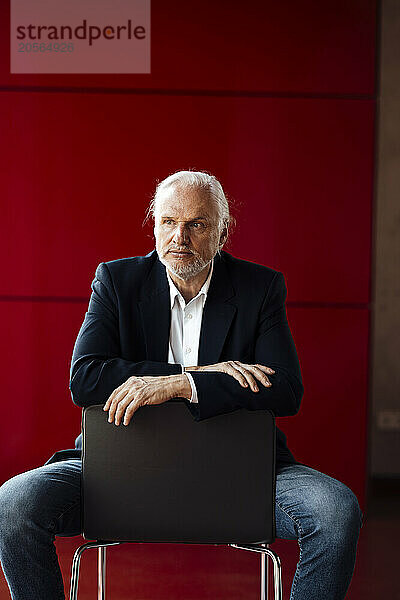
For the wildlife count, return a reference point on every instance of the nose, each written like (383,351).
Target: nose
(181,235)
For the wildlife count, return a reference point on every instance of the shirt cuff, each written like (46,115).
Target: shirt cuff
(194,399)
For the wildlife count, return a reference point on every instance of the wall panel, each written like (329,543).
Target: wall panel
(329,432)
(38,414)
(80,171)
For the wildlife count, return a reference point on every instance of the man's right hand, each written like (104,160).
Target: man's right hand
(246,375)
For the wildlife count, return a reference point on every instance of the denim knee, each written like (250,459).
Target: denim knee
(15,507)
(339,515)
(351,515)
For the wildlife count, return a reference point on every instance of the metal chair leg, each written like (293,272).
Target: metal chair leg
(264,576)
(277,573)
(101,573)
(73,594)
(277,568)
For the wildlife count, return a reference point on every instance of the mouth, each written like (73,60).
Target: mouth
(180,253)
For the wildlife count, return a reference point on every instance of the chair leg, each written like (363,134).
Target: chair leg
(101,573)
(264,574)
(277,573)
(264,577)
(267,552)
(73,594)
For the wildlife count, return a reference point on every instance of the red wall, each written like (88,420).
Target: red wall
(275,98)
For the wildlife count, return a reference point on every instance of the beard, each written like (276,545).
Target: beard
(187,271)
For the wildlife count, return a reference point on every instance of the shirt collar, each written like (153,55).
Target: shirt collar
(175,293)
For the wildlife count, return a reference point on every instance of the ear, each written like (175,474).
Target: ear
(223,237)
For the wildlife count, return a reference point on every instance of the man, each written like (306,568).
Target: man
(188,320)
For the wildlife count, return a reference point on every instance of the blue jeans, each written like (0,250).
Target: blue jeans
(322,513)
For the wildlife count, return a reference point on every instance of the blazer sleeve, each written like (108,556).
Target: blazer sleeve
(275,348)
(97,367)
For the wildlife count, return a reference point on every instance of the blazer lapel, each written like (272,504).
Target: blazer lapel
(217,316)
(156,313)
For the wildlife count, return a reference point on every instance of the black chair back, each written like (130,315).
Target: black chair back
(168,478)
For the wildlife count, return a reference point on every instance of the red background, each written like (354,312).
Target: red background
(277,99)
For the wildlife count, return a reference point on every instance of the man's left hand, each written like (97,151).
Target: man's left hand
(144,391)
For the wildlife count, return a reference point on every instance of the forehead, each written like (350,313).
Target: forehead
(186,203)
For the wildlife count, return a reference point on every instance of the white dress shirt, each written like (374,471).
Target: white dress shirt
(184,335)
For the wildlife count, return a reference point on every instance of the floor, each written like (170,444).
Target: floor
(183,572)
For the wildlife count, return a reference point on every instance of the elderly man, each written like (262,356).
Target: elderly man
(188,320)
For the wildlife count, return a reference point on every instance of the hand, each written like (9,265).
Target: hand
(245,374)
(142,391)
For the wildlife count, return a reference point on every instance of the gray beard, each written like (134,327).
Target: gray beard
(186,272)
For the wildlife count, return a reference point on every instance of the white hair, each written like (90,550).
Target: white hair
(196,179)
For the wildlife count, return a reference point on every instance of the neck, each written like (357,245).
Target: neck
(191,287)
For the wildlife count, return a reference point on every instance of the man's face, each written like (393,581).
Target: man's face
(187,232)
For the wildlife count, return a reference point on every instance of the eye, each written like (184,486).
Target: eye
(168,221)
(197,225)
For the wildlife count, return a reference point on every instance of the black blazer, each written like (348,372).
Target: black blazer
(126,332)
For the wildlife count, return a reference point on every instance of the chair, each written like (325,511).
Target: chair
(168,478)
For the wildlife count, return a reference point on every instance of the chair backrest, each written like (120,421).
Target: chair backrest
(168,478)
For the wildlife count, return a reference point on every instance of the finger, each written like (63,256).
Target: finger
(232,370)
(119,413)
(126,385)
(245,371)
(131,385)
(130,410)
(112,396)
(265,369)
(114,404)
(259,375)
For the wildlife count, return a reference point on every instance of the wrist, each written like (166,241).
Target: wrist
(180,386)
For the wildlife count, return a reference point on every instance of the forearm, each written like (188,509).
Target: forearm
(219,393)
(94,379)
